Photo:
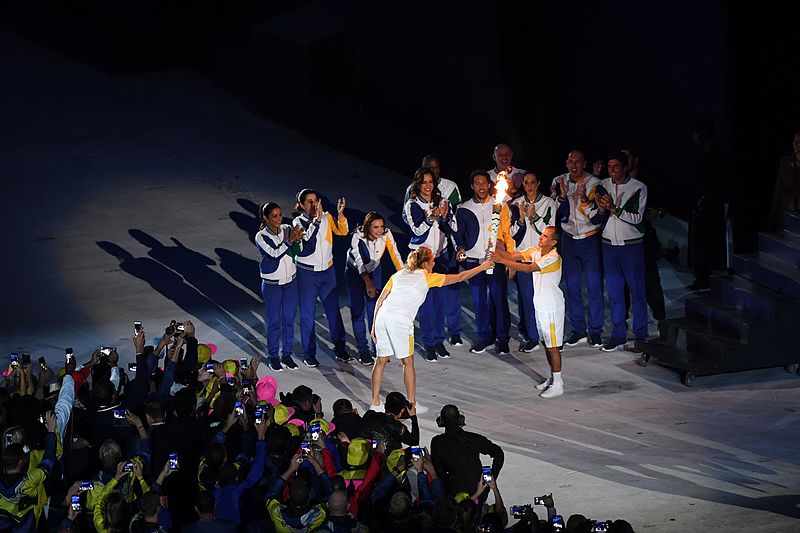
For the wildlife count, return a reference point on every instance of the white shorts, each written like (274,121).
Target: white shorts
(393,339)
(551,327)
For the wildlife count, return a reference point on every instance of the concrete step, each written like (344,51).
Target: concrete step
(784,245)
(769,271)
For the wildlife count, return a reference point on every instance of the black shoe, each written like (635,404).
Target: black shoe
(528,346)
(614,344)
(341,355)
(441,351)
(478,347)
(698,286)
(430,354)
(311,362)
(595,341)
(638,346)
(288,362)
(502,348)
(365,358)
(575,338)
(455,340)
(274,364)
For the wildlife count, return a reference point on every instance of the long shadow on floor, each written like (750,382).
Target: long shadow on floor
(175,288)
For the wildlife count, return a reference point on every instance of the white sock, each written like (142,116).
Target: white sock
(557,378)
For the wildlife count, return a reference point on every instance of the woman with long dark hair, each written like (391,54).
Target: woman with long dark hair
(364,276)
(278,244)
(431,221)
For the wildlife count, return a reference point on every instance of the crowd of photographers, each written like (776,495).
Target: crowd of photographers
(184,442)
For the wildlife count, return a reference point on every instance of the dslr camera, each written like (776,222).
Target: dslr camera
(174,329)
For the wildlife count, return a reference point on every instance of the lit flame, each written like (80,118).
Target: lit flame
(501,187)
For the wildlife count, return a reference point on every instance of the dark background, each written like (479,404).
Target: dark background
(454,78)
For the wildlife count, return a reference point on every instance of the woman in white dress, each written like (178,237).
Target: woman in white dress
(393,326)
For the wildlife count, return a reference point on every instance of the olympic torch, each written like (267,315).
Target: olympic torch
(497,207)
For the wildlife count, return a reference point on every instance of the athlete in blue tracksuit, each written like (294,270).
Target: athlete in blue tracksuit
(452,293)
(431,222)
(580,248)
(489,292)
(363,273)
(530,214)
(278,244)
(621,202)
(315,274)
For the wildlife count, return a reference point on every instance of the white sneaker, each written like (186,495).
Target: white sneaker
(421,409)
(544,384)
(377,408)
(556,389)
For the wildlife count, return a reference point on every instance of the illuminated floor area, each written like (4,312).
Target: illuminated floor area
(132,198)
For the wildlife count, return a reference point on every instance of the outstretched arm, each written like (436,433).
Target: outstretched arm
(450,279)
(508,260)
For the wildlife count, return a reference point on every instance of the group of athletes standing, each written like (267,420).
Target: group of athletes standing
(598,226)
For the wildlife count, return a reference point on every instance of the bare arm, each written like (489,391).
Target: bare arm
(502,253)
(384,293)
(513,265)
(450,279)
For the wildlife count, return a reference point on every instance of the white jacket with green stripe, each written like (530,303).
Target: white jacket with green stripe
(626,226)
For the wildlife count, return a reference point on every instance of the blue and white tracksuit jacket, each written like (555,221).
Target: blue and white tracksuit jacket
(623,254)
(489,292)
(580,253)
(317,278)
(447,264)
(278,287)
(435,236)
(364,258)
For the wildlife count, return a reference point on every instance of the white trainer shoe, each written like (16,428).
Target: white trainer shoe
(421,409)
(544,384)
(556,389)
(377,408)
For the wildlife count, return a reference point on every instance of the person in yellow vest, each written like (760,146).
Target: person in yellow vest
(19,487)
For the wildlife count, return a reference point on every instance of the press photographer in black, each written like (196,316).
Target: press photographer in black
(457,453)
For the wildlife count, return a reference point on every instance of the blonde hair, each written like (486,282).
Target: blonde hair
(418,257)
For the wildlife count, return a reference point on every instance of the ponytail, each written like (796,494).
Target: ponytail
(418,257)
